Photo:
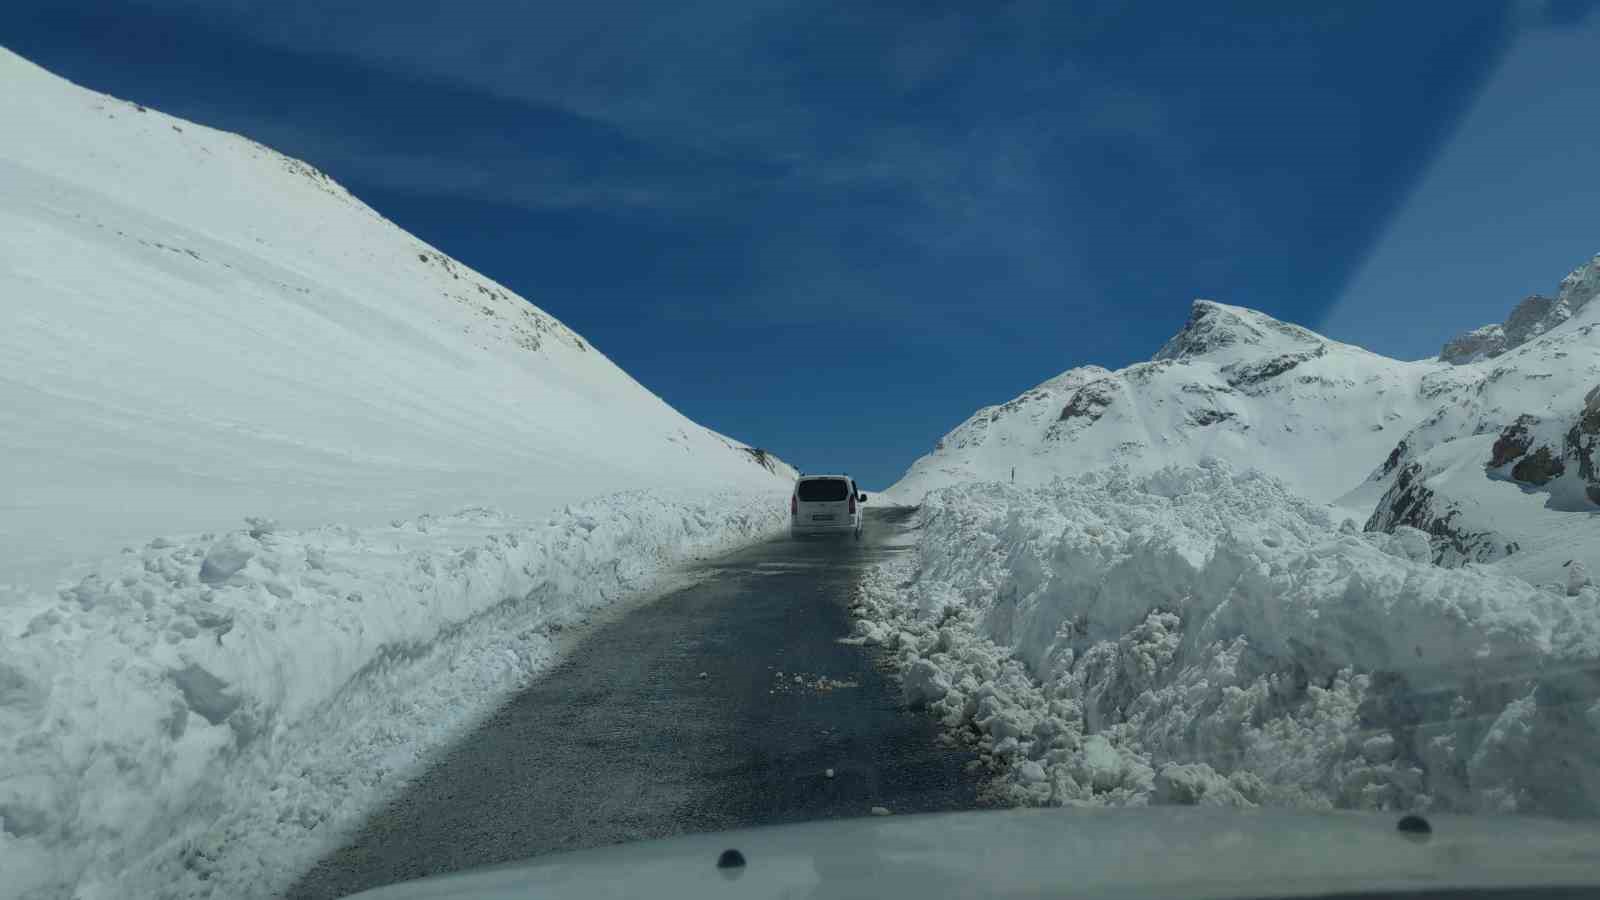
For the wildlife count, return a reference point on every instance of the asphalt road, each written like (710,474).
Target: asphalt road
(625,740)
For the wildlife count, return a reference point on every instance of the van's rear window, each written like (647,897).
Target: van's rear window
(823,490)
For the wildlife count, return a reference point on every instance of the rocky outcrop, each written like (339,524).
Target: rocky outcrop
(1581,285)
(764,459)
(1536,456)
(1534,316)
(1479,343)
(1396,457)
(1538,467)
(1200,418)
(1090,401)
(1581,441)
(1514,441)
(1249,375)
(1409,501)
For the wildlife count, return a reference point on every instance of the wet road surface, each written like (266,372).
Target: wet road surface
(624,740)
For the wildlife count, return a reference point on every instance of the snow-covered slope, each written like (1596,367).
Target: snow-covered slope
(357,487)
(1502,466)
(1492,457)
(199,328)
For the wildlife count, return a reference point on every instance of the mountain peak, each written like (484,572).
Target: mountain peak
(1214,326)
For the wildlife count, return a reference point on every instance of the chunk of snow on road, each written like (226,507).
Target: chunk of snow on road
(924,682)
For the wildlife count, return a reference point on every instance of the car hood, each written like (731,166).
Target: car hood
(1134,853)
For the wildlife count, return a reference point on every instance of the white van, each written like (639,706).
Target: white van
(826,504)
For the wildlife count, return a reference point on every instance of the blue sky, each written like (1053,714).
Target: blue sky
(836,229)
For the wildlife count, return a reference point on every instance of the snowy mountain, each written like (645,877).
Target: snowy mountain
(1232,383)
(358,491)
(1492,457)
(200,328)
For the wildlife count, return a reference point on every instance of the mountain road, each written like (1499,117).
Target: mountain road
(726,704)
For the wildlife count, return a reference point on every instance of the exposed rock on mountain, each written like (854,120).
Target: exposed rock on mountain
(1479,343)
(1534,316)
(1410,502)
(1538,462)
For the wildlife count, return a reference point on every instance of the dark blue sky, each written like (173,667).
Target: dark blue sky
(834,230)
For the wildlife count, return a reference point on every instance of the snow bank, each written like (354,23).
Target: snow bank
(1200,635)
(202,717)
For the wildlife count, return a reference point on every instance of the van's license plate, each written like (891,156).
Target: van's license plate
(827,518)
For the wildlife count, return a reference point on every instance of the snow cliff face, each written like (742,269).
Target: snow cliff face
(1492,458)
(200,328)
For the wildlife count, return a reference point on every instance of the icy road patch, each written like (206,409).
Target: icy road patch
(1203,636)
(203,717)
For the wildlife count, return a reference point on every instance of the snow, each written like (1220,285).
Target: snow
(199,328)
(433,477)
(1206,635)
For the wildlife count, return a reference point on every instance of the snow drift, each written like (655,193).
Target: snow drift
(203,333)
(1202,635)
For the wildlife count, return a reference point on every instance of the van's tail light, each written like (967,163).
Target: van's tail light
(794,506)
(852,504)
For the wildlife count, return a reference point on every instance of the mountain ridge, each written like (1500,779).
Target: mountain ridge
(1535,315)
